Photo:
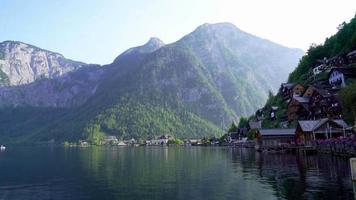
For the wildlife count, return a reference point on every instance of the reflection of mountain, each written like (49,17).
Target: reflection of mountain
(169,173)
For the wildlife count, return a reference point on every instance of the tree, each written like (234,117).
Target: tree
(243,123)
(94,134)
(348,96)
(232,128)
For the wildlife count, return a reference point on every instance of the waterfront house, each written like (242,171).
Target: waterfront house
(121,143)
(298,108)
(83,143)
(234,137)
(339,76)
(193,142)
(112,140)
(309,130)
(255,124)
(161,140)
(272,138)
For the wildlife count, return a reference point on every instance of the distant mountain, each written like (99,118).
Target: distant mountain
(22,63)
(189,88)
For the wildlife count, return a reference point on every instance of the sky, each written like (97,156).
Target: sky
(96,31)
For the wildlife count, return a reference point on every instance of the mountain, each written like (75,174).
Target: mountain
(22,63)
(189,88)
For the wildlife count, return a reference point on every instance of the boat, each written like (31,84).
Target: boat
(2,147)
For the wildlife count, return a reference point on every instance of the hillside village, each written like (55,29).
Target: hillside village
(315,109)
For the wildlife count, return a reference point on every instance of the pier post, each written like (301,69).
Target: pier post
(353,169)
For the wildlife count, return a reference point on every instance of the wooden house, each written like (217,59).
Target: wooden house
(351,57)
(289,90)
(309,130)
(298,108)
(260,114)
(323,103)
(110,140)
(339,76)
(237,136)
(255,124)
(337,61)
(273,112)
(271,138)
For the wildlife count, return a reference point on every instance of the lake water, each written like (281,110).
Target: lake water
(169,173)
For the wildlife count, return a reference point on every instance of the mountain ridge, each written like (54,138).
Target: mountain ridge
(189,88)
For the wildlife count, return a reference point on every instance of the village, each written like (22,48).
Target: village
(313,119)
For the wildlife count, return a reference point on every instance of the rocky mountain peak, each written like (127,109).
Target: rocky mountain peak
(21,63)
(154,44)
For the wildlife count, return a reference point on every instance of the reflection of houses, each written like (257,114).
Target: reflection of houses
(298,108)
(339,76)
(308,130)
(269,138)
(289,90)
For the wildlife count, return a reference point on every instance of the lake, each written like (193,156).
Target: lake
(169,173)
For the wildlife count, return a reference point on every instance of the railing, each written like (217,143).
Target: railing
(337,147)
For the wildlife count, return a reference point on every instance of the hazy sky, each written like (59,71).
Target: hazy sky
(96,31)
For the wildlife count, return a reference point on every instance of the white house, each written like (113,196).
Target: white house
(338,76)
(318,69)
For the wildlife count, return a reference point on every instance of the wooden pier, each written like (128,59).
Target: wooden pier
(302,150)
(313,149)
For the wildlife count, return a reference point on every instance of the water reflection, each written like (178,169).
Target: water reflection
(299,177)
(169,173)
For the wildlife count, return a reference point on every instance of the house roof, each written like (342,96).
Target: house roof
(277,132)
(323,92)
(305,106)
(307,125)
(341,122)
(311,125)
(320,89)
(302,99)
(351,53)
(288,85)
